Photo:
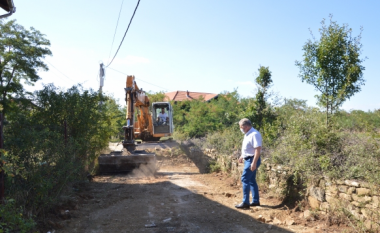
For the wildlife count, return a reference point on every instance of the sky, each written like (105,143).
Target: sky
(209,46)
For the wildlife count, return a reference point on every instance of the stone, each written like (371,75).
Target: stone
(363,200)
(279,190)
(351,190)
(368,224)
(289,222)
(352,183)
(339,182)
(345,196)
(325,206)
(313,202)
(342,188)
(355,203)
(261,219)
(318,193)
(277,221)
(354,211)
(306,214)
(355,197)
(362,191)
(376,191)
(376,201)
(332,190)
(367,199)
(366,213)
(330,199)
(322,184)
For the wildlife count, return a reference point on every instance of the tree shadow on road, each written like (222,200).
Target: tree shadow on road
(121,204)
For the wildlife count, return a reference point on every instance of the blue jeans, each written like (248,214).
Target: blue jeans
(248,179)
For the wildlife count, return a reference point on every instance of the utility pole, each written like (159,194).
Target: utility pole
(101,77)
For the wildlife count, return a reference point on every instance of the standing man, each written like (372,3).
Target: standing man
(250,154)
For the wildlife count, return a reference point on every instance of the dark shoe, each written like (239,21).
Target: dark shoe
(242,206)
(255,204)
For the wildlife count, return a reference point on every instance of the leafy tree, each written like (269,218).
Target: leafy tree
(53,141)
(196,118)
(259,111)
(21,56)
(156,96)
(333,65)
(263,81)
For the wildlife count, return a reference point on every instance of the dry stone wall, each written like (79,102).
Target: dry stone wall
(356,198)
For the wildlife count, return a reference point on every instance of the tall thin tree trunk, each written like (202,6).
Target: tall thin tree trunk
(2,179)
(327,113)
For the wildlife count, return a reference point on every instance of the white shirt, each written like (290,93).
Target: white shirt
(252,139)
(162,116)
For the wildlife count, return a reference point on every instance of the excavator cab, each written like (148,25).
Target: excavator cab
(162,114)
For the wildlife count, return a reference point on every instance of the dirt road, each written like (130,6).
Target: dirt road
(177,199)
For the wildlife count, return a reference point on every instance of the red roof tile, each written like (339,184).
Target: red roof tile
(188,95)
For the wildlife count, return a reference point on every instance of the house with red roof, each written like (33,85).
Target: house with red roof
(189,95)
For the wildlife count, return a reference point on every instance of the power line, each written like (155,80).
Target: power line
(60,71)
(140,79)
(130,21)
(109,56)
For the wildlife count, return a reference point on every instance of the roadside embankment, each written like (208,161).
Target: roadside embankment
(357,203)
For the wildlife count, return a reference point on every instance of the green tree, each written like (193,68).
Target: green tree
(263,81)
(21,56)
(54,142)
(156,96)
(259,110)
(333,65)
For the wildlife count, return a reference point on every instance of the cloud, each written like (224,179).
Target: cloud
(131,60)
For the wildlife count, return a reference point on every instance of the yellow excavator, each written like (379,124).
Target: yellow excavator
(145,121)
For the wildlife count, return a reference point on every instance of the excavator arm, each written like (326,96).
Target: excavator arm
(135,99)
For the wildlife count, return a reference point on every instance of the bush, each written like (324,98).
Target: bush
(214,166)
(53,142)
(197,118)
(12,219)
(311,148)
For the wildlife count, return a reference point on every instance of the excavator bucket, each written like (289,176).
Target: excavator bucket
(124,162)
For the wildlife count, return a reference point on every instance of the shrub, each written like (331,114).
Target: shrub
(12,219)
(52,142)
